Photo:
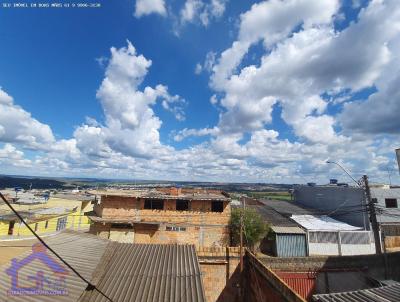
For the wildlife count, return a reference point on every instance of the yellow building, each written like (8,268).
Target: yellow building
(45,218)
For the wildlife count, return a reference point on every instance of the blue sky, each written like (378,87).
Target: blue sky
(262,91)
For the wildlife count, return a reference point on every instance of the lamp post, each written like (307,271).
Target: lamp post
(340,166)
(371,206)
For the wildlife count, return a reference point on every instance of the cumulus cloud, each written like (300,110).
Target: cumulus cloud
(202,11)
(131,127)
(9,155)
(304,67)
(147,7)
(18,126)
(299,65)
(379,114)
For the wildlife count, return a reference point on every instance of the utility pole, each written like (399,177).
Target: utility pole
(372,215)
(241,284)
(241,236)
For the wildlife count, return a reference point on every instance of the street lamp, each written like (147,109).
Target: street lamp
(371,207)
(333,162)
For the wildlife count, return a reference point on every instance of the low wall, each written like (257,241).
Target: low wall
(220,271)
(392,242)
(384,266)
(262,284)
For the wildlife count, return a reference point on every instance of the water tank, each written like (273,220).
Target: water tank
(333,181)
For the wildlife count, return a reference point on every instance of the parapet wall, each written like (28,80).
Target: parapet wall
(385,266)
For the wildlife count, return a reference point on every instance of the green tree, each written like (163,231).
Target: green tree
(254,228)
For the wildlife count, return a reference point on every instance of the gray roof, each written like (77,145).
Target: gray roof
(82,251)
(287,230)
(288,208)
(272,217)
(389,293)
(124,271)
(146,272)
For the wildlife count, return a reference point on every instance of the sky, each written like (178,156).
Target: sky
(202,90)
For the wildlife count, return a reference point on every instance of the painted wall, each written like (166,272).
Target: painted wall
(46,224)
(381,195)
(335,198)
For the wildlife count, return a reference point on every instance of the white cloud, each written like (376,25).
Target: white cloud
(9,155)
(131,127)
(304,66)
(202,11)
(208,64)
(147,7)
(18,126)
(198,68)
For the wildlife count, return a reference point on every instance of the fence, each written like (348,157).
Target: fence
(340,243)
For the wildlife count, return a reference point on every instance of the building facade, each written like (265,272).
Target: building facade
(46,218)
(164,216)
(348,204)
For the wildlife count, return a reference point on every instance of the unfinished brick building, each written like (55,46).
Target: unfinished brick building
(172,215)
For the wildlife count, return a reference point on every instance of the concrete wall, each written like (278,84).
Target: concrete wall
(385,266)
(330,198)
(381,194)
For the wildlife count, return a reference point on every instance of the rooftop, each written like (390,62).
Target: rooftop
(272,217)
(389,293)
(146,272)
(287,208)
(322,223)
(125,272)
(173,193)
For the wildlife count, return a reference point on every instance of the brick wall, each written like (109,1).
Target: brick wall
(132,207)
(220,272)
(202,227)
(208,236)
(262,284)
(392,242)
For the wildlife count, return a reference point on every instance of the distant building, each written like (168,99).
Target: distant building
(348,204)
(344,203)
(169,215)
(286,238)
(328,236)
(299,231)
(45,217)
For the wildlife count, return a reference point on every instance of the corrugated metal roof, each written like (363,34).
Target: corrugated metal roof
(144,272)
(287,230)
(288,208)
(322,223)
(81,251)
(272,217)
(389,293)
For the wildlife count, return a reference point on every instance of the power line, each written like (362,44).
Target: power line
(90,286)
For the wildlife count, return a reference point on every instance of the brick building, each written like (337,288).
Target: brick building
(172,215)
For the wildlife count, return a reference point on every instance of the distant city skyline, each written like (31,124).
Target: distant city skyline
(202,90)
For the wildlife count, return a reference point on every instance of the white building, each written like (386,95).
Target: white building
(328,236)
